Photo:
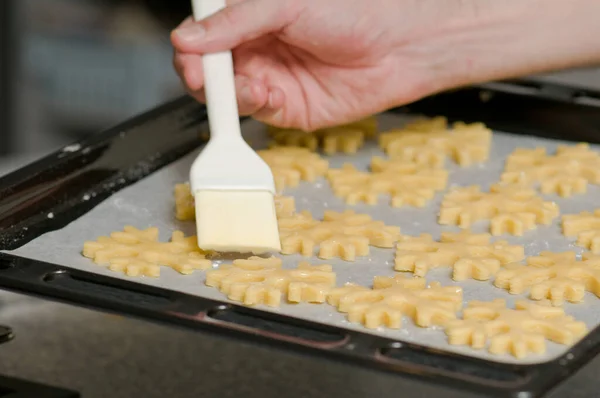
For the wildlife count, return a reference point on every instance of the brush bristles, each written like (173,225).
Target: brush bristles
(237,221)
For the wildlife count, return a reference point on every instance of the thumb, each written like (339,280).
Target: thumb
(241,22)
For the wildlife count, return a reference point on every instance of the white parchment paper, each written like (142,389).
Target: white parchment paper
(150,203)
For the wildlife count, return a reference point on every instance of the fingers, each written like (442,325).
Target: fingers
(254,98)
(252,95)
(240,22)
(190,70)
(272,112)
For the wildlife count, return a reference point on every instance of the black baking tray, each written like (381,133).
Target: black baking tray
(120,156)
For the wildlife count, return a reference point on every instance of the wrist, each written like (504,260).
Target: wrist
(488,40)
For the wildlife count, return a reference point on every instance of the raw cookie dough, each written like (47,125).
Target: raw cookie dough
(554,276)
(566,173)
(466,144)
(436,124)
(293,138)
(469,255)
(402,166)
(290,165)
(425,305)
(346,139)
(262,281)
(407,184)
(586,226)
(346,235)
(518,331)
(511,209)
(185,209)
(136,252)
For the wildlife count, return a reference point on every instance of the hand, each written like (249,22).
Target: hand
(315,63)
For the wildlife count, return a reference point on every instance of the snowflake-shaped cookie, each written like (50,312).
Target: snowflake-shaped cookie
(469,143)
(464,143)
(262,281)
(136,252)
(518,331)
(469,255)
(568,172)
(346,235)
(426,306)
(413,187)
(554,276)
(586,227)
(291,164)
(510,209)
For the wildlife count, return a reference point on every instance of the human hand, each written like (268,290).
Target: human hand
(313,63)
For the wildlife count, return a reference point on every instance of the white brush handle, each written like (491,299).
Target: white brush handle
(219,84)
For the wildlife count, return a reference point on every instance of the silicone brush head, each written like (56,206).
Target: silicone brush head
(237,221)
(234,195)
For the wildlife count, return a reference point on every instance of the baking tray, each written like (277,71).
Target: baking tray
(73,184)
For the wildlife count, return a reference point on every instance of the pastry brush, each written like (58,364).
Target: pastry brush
(232,186)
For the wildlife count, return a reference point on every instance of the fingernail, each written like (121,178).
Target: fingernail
(192,33)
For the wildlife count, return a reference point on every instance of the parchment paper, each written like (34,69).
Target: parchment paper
(150,203)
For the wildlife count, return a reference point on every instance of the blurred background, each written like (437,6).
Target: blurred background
(74,67)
